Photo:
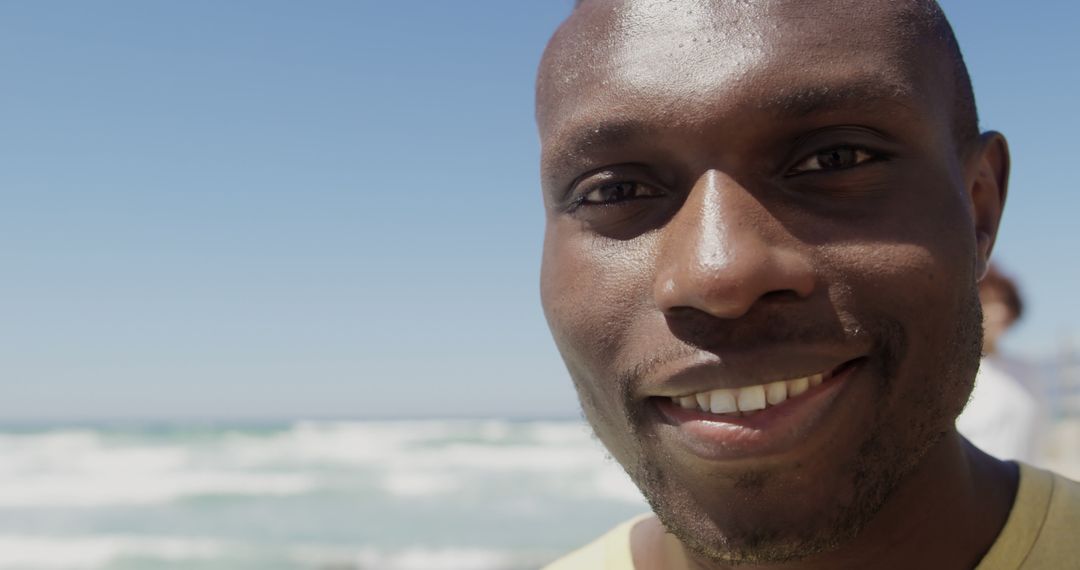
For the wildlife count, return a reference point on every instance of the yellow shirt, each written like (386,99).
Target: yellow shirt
(1041,533)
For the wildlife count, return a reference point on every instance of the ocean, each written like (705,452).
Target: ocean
(321,495)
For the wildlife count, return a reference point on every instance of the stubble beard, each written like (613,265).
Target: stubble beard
(885,456)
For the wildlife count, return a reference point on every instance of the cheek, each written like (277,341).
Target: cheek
(925,289)
(593,289)
(914,259)
(925,284)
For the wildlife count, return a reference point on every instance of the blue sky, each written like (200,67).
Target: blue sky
(255,209)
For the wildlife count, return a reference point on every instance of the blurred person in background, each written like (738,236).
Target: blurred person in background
(1005,414)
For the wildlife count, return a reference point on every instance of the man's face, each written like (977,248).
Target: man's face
(759,204)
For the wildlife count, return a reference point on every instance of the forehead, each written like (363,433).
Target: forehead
(679,63)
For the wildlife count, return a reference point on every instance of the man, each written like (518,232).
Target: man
(765,225)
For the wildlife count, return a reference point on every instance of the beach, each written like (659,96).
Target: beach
(320,495)
(386,495)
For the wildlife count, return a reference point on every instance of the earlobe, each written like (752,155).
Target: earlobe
(987,182)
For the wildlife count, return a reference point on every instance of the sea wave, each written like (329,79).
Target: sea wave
(430,495)
(85,467)
(421,558)
(102,552)
(24,552)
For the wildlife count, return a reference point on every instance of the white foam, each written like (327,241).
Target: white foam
(83,468)
(142,487)
(69,479)
(444,559)
(406,484)
(78,468)
(27,552)
(560,433)
(23,552)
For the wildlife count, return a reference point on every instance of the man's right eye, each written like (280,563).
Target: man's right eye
(614,192)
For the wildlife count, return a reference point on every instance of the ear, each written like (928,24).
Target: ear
(987,179)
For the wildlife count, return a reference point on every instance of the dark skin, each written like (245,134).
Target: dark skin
(769,188)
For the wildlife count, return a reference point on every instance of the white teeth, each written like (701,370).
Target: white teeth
(722,402)
(751,398)
(797,386)
(776,393)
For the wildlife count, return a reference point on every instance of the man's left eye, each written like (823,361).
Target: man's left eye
(836,158)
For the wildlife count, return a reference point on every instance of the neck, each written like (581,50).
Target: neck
(945,514)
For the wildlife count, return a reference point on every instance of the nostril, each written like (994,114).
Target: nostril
(784,295)
(688,313)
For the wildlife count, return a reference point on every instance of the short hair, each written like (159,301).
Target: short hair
(928,18)
(1005,286)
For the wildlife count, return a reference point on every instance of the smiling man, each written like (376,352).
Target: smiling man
(766,221)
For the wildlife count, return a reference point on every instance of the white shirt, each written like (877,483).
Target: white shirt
(1003,416)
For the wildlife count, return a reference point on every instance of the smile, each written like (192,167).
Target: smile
(750,399)
(763,419)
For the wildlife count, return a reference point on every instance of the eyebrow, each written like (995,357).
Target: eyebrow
(787,104)
(577,142)
(855,94)
(608,133)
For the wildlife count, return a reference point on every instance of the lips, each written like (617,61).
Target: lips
(756,420)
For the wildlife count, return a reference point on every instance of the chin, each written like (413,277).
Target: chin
(780,515)
(818,501)
(771,516)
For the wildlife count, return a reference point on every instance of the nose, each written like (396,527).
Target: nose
(723,252)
